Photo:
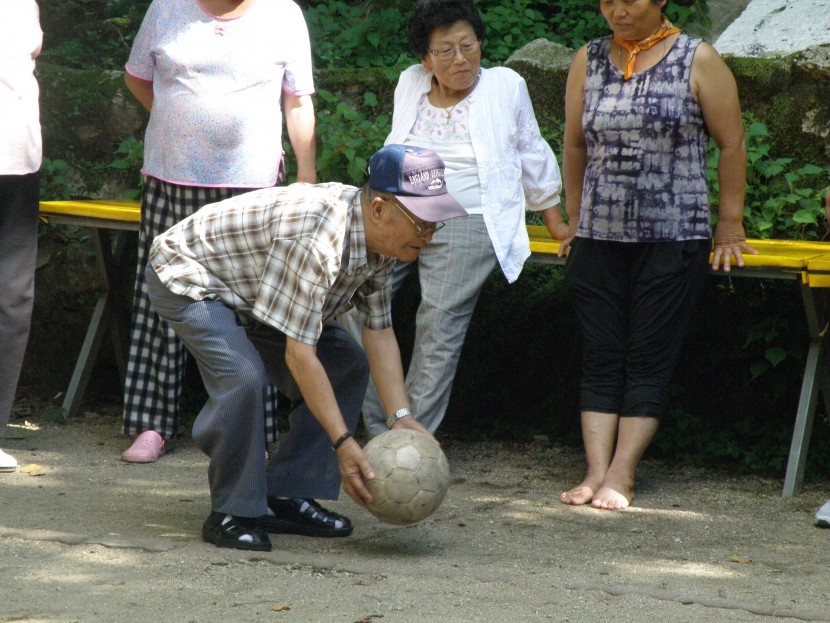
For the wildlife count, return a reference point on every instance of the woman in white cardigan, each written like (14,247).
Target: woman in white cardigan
(481,122)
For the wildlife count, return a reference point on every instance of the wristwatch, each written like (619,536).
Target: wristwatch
(398,415)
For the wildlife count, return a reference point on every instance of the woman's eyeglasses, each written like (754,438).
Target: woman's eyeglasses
(466,49)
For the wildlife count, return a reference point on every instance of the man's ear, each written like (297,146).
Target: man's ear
(377,208)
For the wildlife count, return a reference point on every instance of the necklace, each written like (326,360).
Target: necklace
(450,109)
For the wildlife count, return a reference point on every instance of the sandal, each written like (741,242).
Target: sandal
(235,532)
(148,447)
(306,517)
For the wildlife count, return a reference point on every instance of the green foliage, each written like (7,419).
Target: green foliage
(739,379)
(348,135)
(509,26)
(767,332)
(344,33)
(129,156)
(783,199)
(690,18)
(373,38)
(72,53)
(749,443)
(101,35)
(760,358)
(376,36)
(55,180)
(574,22)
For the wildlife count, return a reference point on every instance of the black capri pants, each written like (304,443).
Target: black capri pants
(634,302)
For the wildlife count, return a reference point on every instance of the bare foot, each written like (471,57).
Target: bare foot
(614,494)
(580,494)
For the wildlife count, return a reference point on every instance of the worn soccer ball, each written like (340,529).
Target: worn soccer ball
(411,476)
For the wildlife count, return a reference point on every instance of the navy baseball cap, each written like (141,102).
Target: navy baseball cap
(416,177)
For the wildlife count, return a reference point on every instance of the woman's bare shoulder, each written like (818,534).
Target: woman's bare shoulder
(707,54)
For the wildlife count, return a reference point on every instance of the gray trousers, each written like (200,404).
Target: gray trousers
(156,360)
(18,252)
(452,269)
(236,364)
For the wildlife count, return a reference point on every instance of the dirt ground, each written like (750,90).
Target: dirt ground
(87,538)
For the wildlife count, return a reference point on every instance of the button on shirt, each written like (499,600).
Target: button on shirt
(290,257)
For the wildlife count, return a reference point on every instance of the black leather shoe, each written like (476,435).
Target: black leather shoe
(236,533)
(306,517)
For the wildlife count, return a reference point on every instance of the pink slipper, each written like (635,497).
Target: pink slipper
(147,448)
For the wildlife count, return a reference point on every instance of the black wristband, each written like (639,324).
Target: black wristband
(341,439)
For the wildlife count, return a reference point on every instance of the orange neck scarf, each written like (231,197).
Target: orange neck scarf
(666,29)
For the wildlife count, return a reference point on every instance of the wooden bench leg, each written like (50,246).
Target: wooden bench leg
(104,317)
(89,354)
(120,316)
(816,380)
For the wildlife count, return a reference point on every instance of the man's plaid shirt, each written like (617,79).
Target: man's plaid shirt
(290,257)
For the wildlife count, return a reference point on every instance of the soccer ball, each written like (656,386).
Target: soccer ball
(411,476)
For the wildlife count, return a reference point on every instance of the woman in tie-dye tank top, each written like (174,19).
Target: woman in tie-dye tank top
(640,108)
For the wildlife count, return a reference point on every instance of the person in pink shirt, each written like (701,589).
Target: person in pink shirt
(217,77)
(20,159)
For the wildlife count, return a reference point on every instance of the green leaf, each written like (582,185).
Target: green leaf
(805,217)
(758,368)
(775,355)
(811,169)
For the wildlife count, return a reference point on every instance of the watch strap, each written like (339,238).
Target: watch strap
(398,415)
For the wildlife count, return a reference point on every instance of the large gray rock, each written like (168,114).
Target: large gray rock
(544,66)
(542,53)
(719,14)
(814,62)
(777,28)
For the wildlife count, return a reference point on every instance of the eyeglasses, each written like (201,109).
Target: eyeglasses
(421,230)
(466,49)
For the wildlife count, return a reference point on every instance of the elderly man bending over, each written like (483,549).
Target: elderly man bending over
(251,286)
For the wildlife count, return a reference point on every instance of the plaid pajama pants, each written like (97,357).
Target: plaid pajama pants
(157,359)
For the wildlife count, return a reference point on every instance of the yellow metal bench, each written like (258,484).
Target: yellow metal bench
(808,264)
(109,223)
